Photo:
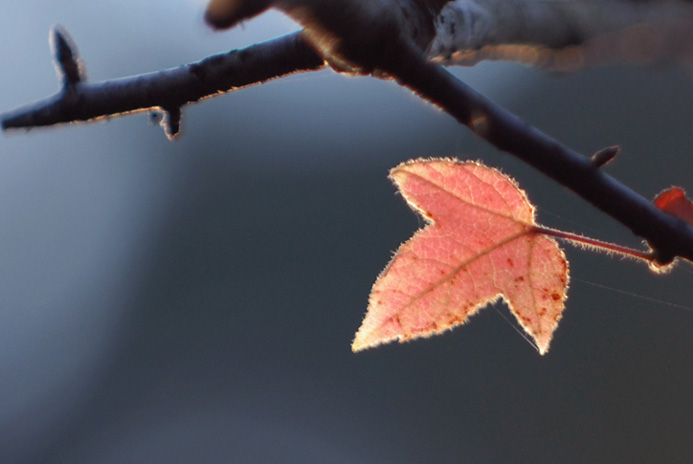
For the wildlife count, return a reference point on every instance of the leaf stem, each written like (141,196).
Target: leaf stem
(596,245)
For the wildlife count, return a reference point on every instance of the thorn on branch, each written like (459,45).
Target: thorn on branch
(66,57)
(604,156)
(171,122)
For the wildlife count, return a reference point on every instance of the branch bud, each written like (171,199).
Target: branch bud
(66,58)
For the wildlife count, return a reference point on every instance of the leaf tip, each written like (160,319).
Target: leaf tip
(543,337)
(357,345)
(543,346)
(366,337)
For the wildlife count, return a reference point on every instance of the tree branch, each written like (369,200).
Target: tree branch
(667,235)
(387,38)
(468,31)
(458,31)
(167,90)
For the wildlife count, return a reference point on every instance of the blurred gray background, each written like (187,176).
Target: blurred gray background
(195,301)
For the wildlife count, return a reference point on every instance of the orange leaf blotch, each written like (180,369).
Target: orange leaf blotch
(480,245)
(674,201)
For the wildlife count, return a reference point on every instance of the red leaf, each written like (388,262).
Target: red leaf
(674,201)
(480,244)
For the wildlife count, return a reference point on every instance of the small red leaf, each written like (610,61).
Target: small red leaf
(674,201)
(481,244)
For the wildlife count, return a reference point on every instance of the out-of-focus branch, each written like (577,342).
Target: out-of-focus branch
(167,90)
(563,35)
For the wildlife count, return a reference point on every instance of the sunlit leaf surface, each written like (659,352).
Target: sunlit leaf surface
(480,244)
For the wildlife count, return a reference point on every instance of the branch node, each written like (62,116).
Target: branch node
(604,156)
(67,62)
(663,261)
(171,122)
